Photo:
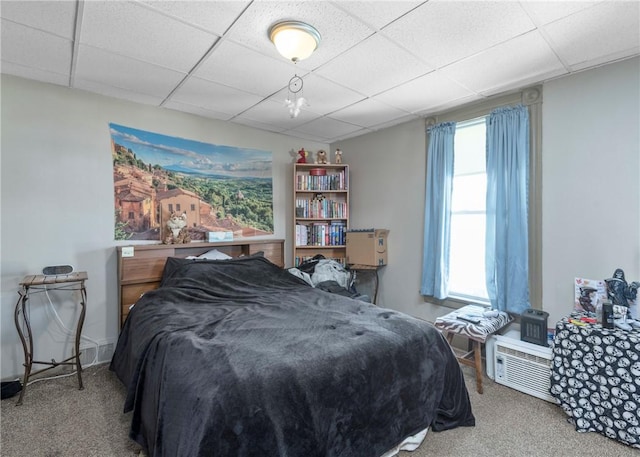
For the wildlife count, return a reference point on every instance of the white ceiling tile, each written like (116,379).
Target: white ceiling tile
(237,66)
(214,16)
(519,61)
(258,125)
(35,74)
(368,113)
(379,13)
(104,67)
(359,68)
(339,30)
(424,93)
(549,11)
(607,28)
(325,127)
(323,96)
(276,113)
(116,92)
(396,121)
(305,136)
(57,17)
(441,32)
(133,30)
(30,47)
(213,96)
(197,110)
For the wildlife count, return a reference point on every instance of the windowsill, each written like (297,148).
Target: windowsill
(456,302)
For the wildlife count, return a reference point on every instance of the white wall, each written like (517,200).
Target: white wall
(57,199)
(590,194)
(590,179)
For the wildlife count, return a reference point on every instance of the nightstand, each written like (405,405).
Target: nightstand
(33,284)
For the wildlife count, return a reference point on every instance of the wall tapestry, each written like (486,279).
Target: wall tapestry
(224,192)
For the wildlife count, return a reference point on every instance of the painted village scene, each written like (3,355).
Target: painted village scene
(221,189)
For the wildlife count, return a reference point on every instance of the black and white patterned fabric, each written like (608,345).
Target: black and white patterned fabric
(595,378)
(479,330)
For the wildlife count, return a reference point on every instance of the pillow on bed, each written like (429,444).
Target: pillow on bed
(213,254)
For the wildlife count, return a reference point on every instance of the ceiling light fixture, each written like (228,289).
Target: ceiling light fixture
(294,40)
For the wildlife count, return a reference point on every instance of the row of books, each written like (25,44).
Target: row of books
(299,260)
(327,182)
(325,209)
(321,234)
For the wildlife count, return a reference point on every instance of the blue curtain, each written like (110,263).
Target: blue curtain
(437,214)
(507,249)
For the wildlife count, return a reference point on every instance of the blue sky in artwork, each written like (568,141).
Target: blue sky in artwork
(189,156)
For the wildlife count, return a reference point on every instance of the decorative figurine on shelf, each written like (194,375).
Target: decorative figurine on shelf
(623,297)
(178,233)
(303,156)
(321,157)
(619,291)
(338,156)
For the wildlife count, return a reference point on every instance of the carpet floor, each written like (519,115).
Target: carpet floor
(58,420)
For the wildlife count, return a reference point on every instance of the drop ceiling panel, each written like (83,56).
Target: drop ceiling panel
(328,128)
(390,67)
(116,92)
(368,113)
(33,48)
(104,67)
(593,33)
(441,32)
(380,14)
(53,17)
(276,113)
(213,16)
(522,60)
(237,66)
(197,110)
(324,96)
(132,30)
(213,96)
(549,11)
(426,92)
(34,74)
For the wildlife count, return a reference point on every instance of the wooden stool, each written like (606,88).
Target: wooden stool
(470,322)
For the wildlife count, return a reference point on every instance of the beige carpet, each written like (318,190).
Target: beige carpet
(58,420)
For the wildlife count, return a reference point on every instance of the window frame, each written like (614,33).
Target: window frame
(532,98)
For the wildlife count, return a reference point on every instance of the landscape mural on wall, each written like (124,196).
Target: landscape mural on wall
(220,188)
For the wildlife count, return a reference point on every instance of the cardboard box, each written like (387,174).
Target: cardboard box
(367,247)
(220,236)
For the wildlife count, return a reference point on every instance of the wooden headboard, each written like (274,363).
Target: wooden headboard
(140,268)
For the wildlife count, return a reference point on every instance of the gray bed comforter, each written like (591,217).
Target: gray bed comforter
(241,358)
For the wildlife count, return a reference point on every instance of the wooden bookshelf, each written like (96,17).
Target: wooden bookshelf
(320,211)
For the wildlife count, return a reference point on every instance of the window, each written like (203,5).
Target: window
(170,208)
(193,207)
(466,235)
(178,207)
(468,213)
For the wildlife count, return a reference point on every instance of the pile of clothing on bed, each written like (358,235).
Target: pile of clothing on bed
(329,275)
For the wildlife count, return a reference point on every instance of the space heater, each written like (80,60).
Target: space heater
(533,326)
(523,366)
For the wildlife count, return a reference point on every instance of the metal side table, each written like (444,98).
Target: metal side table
(40,284)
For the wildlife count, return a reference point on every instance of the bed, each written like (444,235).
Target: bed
(239,357)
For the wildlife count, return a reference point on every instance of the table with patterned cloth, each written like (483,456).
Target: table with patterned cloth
(595,378)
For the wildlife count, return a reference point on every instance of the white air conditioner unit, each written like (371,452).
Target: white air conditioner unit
(523,366)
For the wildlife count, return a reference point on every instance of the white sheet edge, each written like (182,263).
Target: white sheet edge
(409,444)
